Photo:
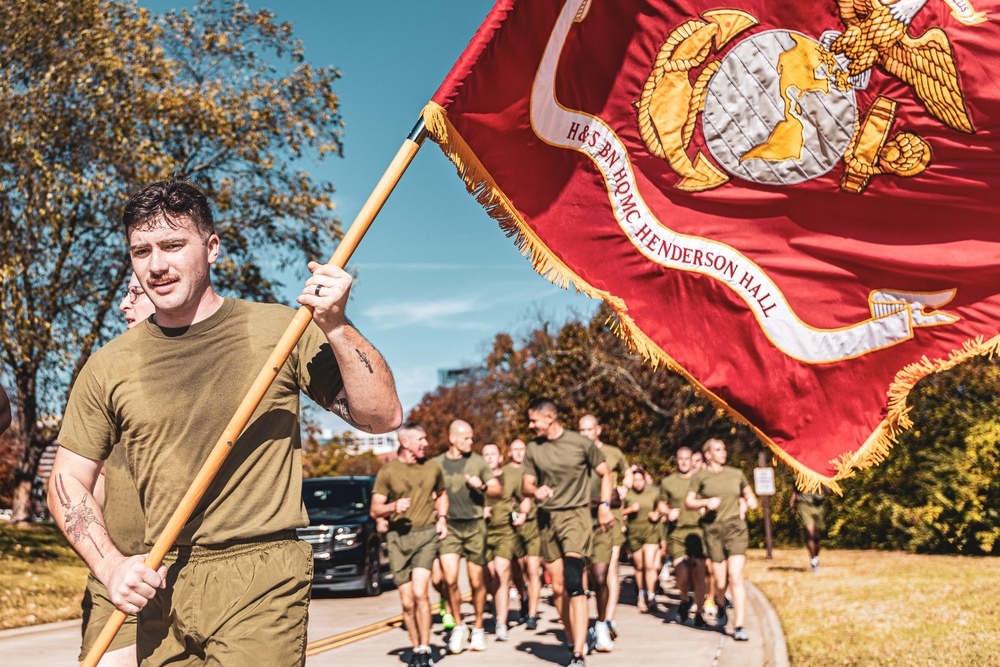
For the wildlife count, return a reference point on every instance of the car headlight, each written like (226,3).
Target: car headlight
(345,537)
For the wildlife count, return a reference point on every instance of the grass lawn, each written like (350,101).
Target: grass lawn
(41,577)
(883,608)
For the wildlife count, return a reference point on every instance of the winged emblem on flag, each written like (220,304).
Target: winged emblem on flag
(779,107)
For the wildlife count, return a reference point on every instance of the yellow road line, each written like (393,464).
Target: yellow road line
(357,634)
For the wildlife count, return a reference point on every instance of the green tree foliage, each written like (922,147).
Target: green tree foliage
(99,98)
(939,490)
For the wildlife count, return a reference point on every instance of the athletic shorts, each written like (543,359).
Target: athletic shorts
(502,542)
(527,534)
(417,548)
(726,539)
(244,603)
(640,534)
(565,531)
(97,609)
(467,539)
(686,542)
(811,515)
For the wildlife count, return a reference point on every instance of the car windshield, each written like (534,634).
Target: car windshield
(337,498)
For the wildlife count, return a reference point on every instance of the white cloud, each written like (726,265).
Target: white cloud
(435,314)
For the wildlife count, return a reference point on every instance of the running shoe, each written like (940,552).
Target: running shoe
(531,622)
(478,642)
(740,635)
(502,634)
(711,610)
(612,628)
(814,564)
(448,621)
(602,638)
(459,639)
(577,661)
(640,603)
(729,602)
(699,622)
(591,640)
(722,617)
(682,611)
(415,659)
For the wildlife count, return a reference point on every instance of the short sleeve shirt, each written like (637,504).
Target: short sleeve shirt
(419,482)
(464,502)
(727,484)
(564,465)
(647,503)
(673,490)
(165,396)
(502,507)
(616,463)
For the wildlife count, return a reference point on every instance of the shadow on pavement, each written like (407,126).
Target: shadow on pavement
(547,652)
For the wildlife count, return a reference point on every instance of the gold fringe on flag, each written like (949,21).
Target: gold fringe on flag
(873,451)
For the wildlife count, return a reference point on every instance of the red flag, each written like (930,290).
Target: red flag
(794,204)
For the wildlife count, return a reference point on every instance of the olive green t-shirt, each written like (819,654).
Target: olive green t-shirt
(673,489)
(564,465)
(165,396)
(122,511)
(727,484)
(464,502)
(517,472)
(647,499)
(616,463)
(503,507)
(419,482)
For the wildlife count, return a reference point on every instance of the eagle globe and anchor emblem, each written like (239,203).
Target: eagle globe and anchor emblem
(780,108)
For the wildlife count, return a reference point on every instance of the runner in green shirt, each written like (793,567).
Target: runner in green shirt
(526,525)
(810,511)
(604,580)
(718,489)
(643,536)
(469,480)
(557,471)
(686,541)
(409,492)
(502,546)
(165,391)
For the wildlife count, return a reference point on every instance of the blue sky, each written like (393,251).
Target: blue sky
(436,277)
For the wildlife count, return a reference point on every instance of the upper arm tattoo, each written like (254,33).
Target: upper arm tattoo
(79,518)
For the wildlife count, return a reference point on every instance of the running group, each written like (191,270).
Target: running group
(564,503)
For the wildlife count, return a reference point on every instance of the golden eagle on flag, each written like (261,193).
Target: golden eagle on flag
(796,205)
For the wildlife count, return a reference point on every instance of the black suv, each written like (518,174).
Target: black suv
(348,553)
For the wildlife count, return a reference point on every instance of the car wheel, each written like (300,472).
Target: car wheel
(373,573)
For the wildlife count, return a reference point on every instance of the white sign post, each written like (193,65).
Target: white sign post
(763,485)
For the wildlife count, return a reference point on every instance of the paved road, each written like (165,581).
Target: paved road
(644,638)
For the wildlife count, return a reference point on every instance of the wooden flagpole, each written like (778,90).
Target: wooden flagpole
(279,355)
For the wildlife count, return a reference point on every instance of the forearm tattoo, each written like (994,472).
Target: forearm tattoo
(341,408)
(79,518)
(365,361)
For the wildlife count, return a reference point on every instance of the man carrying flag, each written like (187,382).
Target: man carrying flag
(163,392)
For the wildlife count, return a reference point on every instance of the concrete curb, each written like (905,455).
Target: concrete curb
(772,636)
(44,627)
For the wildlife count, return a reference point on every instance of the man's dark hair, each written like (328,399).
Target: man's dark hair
(543,403)
(173,202)
(412,426)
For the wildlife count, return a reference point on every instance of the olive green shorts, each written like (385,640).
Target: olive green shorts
(246,603)
(642,533)
(686,543)
(565,531)
(97,609)
(726,539)
(467,539)
(415,549)
(502,542)
(811,515)
(527,535)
